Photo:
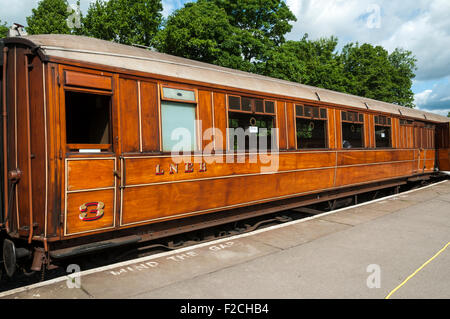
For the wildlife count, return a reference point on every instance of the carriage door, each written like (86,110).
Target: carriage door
(90,159)
(419,147)
(443,147)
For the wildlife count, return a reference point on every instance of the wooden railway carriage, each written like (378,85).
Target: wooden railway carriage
(87,139)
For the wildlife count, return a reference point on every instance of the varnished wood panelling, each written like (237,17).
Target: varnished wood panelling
(372,130)
(168,200)
(431,154)
(37,126)
(88,80)
(22,143)
(89,174)
(74,200)
(429,165)
(205,114)
(444,159)
(291,126)
(149,115)
(366,157)
(281,125)
(56,165)
(220,121)
(331,128)
(129,115)
(337,114)
(403,136)
(143,170)
(10,103)
(395,132)
(367,173)
(367,131)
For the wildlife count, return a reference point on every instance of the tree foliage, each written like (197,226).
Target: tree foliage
(232,33)
(201,31)
(260,24)
(50,17)
(308,62)
(3,29)
(123,21)
(374,73)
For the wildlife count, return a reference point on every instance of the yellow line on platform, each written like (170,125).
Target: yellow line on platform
(414,273)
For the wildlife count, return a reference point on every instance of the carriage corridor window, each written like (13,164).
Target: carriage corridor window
(88,120)
(178,119)
(255,117)
(178,126)
(352,130)
(382,132)
(311,125)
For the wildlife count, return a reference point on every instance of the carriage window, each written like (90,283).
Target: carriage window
(178,126)
(88,120)
(252,120)
(382,132)
(256,129)
(311,125)
(249,104)
(169,93)
(352,130)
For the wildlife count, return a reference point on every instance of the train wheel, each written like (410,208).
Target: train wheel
(9,257)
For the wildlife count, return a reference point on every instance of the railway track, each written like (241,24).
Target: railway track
(24,277)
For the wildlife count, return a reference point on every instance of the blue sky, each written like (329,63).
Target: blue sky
(421,26)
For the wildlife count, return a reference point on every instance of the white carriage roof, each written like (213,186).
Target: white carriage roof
(86,49)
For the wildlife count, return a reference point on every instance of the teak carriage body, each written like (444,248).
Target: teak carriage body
(87,130)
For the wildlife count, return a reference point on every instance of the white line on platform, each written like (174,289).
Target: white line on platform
(164,254)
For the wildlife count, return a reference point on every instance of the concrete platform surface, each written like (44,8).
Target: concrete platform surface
(365,251)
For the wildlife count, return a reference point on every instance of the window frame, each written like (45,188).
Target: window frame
(354,121)
(387,123)
(76,147)
(274,115)
(253,108)
(178,87)
(312,117)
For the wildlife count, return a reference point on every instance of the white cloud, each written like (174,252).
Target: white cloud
(421,26)
(171,5)
(443,112)
(422,98)
(436,99)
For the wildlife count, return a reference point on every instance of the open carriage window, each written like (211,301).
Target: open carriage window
(88,121)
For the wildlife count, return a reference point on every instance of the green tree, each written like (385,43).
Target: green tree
(373,73)
(448,115)
(231,33)
(202,31)
(310,62)
(123,21)
(50,16)
(3,29)
(261,25)
(403,65)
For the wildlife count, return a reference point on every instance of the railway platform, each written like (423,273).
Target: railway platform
(396,247)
